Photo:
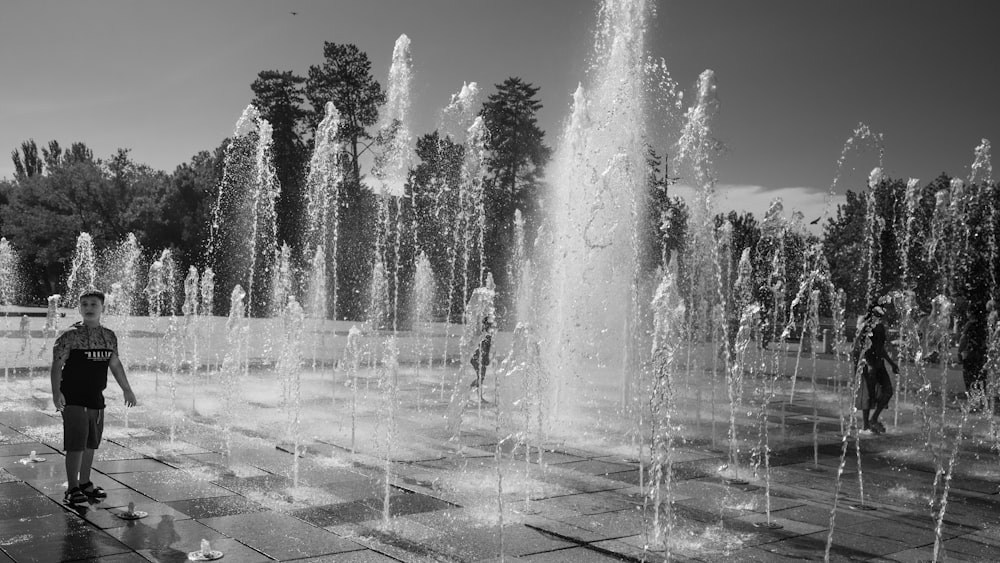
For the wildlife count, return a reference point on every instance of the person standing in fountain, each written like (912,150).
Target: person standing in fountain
(876,385)
(80,361)
(481,357)
(972,352)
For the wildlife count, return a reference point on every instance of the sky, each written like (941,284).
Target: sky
(795,77)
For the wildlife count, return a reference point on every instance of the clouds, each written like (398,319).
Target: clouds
(756,199)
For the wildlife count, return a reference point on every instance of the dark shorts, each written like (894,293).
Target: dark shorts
(82,428)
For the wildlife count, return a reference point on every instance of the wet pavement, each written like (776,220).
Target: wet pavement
(444,499)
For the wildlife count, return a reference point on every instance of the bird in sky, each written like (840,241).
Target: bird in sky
(815,221)
(294,13)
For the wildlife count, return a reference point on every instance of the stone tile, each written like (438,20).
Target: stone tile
(594,467)
(130,557)
(170,485)
(820,516)
(10,436)
(550,457)
(319,516)
(110,451)
(215,506)
(571,555)
(907,533)
(788,526)
(48,455)
(55,537)
(104,517)
(280,536)
(244,485)
(19,420)
(110,467)
(360,556)
(868,546)
(593,503)
(358,489)
(55,485)
(22,449)
(926,553)
(611,525)
(166,541)
(561,529)
(969,548)
(121,497)
(18,500)
(481,543)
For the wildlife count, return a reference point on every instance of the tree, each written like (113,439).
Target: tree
(279,98)
(78,193)
(27,163)
(345,78)
(432,194)
(517,157)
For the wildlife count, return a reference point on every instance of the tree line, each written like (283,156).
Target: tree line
(57,193)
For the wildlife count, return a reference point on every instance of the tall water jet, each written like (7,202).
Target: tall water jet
(243,234)
(451,197)
(696,149)
(316,299)
(83,271)
(669,312)
(51,327)
(208,298)
(10,273)
(596,177)
(392,165)
(9,284)
(190,310)
(323,183)
(460,112)
(353,352)
(233,364)
(124,266)
(281,291)
(289,368)
(421,314)
(480,319)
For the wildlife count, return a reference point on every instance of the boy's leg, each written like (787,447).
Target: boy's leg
(74,459)
(75,430)
(86,462)
(95,431)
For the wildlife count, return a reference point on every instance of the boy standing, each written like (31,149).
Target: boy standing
(80,361)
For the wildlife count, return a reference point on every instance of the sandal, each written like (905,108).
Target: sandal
(91,491)
(75,496)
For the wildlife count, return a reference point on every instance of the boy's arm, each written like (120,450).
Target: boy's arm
(118,370)
(56,375)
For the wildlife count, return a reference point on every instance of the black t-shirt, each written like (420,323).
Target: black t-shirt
(87,352)
(876,352)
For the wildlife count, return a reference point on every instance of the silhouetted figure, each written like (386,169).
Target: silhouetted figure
(876,385)
(481,357)
(972,352)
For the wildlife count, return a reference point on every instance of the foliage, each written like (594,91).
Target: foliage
(345,78)
(278,96)
(517,157)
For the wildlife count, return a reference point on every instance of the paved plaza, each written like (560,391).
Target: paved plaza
(449,499)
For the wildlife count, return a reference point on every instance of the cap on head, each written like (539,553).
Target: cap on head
(93,293)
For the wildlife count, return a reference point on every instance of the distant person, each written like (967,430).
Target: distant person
(972,352)
(80,361)
(481,357)
(876,385)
